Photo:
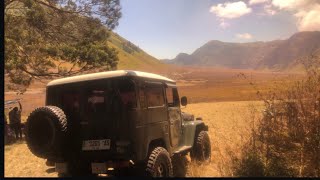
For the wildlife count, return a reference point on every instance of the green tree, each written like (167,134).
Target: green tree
(55,38)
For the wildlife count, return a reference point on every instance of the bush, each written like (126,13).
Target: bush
(287,139)
(251,165)
(277,167)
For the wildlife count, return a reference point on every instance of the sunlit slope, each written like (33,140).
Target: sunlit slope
(132,57)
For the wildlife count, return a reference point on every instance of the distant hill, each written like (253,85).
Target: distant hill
(279,54)
(131,56)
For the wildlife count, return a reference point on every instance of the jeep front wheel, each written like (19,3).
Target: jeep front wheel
(201,151)
(159,163)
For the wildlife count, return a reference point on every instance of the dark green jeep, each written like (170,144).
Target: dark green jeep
(121,122)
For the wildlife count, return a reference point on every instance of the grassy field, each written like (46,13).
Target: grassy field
(229,125)
(211,85)
(198,84)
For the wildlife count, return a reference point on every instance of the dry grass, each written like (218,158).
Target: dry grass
(20,162)
(228,122)
(209,84)
(229,126)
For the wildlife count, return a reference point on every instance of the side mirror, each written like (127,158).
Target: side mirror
(184,101)
(199,118)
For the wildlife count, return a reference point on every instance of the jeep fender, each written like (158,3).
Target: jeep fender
(191,129)
(153,143)
(156,134)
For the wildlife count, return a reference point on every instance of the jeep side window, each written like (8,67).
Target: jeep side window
(172,97)
(155,96)
(176,98)
(169,95)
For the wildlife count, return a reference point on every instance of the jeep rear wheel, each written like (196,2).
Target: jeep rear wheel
(159,163)
(46,129)
(201,151)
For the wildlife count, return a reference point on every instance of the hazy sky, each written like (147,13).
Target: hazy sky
(165,28)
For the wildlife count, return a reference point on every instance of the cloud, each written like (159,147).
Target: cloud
(309,20)
(224,24)
(307,12)
(245,36)
(269,10)
(231,10)
(253,2)
(293,4)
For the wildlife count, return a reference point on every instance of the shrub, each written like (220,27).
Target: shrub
(287,139)
(250,165)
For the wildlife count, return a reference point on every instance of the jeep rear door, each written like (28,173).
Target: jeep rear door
(99,115)
(108,117)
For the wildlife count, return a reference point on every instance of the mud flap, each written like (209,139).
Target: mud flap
(61,167)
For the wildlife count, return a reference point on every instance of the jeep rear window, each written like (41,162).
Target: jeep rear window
(89,100)
(96,101)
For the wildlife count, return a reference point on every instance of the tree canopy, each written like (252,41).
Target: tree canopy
(56,38)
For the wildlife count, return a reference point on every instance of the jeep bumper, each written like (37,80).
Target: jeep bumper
(97,167)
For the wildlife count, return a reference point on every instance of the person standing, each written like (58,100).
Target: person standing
(15,121)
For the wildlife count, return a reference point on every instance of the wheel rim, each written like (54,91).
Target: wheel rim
(161,170)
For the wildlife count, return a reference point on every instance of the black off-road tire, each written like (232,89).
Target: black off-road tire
(159,163)
(46,129)
(201,151)
(180,165)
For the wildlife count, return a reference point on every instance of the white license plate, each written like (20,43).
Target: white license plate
(91,145)
(98,168)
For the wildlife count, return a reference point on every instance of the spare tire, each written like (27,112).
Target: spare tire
(45,131)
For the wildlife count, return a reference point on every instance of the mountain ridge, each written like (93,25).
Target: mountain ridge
(276,54)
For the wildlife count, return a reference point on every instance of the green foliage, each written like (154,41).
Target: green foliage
(129,47)
(42,35)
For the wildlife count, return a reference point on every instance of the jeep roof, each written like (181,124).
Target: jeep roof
(108,74)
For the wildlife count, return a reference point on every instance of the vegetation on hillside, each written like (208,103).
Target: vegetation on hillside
(132,57)
(42,36)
